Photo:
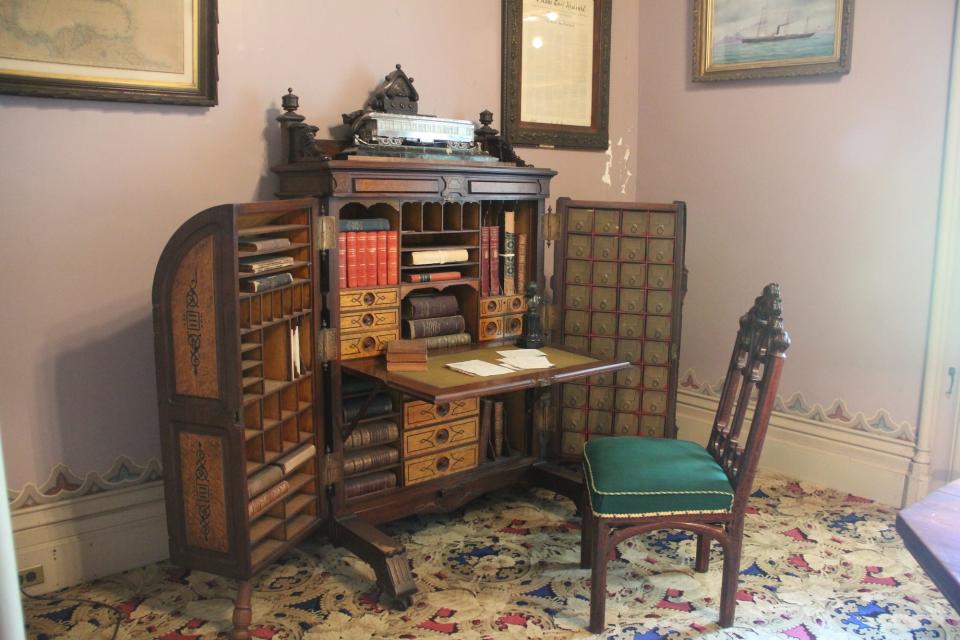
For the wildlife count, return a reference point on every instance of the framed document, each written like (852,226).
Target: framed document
(556,72)
(160,51)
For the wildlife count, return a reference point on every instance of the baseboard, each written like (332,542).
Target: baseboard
(843,459)
(81,539)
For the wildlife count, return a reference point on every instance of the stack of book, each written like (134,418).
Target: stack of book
(436,319)
(367,449)
(267,486)
(368,253)
(406,355)
(259,265)
(503,258)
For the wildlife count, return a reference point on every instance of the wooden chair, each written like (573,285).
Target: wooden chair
(637,485)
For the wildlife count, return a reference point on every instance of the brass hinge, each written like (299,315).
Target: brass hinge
(331,468)
(551,316)
(326,233)
(328,345)
(551,222)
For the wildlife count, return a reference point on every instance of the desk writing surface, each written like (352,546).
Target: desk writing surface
(440,384)
(929,531)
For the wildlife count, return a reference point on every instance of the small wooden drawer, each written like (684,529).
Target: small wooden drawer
(658,327)
(661,250)
(577,297)
(652,426)
(578,246)
(629,377)
(580,221)
(603,324)
(631,300)
(632,275)
(655,377)
(661,224)
(574,395)
(625,424)
(578,343)
(605,274)
(602,380)
(603,347)
(576,322)
(633,249)
(600,422)
(635,223)
(605,248)
(364,345)
(574,420)
(627,400)
(630,325)
(606,222)
(660,276)
(601,398)
(604,299)
(491,328)
(369,320)
(355,300)
(491,307)
(420,414)
(512,325)
(514,304)
(654,402)
(659,302)
(438,465)
(440,436)
(572,443)
(578,272)
(656,352)
(628,350)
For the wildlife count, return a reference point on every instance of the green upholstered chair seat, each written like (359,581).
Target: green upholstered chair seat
(631,477)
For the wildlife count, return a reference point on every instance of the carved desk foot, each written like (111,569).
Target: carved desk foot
(387,557)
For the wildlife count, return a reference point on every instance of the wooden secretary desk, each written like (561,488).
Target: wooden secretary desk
(267,397)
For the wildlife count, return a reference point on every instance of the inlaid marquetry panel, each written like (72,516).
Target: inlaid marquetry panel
(194,323)
(202,483)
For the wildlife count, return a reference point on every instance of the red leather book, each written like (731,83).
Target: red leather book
(353,268)
(484,261)
(342,259)
(372,258)
(393,257)
(494,261)
(381,256)
(361,258)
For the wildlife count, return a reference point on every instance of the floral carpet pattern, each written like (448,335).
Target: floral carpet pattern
(817,564)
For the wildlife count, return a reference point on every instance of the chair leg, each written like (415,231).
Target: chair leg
(703,553)
(731,580)
(598,576)
(588,525)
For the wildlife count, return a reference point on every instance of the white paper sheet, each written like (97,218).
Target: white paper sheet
(479,368)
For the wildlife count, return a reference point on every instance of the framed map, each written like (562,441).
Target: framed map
(741,39)
(556,72)
(159,51)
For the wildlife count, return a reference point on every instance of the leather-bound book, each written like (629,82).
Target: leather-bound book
(380,404)
(498,429)
(263,480)
(494,261)
(437,306)
(393,257)
(406,351)
(372,433)
(362,259)
(356,487)
(293,460)
(342,259)
(438,256)
(521,263)
(428,327)
(382,257)
(436,276)
(258,504)
(266,283)
(484,261)
(372,224)
(508,256)
(366,459)
(443,342)
(486,418)
(353,269)
(262,243)
(372,258)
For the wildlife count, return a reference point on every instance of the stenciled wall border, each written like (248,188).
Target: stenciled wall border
(881,424)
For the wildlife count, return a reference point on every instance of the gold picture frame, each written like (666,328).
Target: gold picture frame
(556,73)
(156,51)
(746,39)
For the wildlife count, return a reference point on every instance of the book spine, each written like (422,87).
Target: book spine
(381,256)
(439,256)
(372,266)
(373,433)
(342,259)
(263,480)
(295,458)
(484,261)
(355,487)
(372,224)
(393,257)
(362,259)
(258,504)
(263,244)
(495,261)
(353,270)
(266,283)
(378,405)
(486,417)
(360,461)
(497,429)
(452,340)
(419,307)
(429,327)
(508,257)
(521,263)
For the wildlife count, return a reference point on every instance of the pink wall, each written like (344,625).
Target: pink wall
(827,185)
(92,190)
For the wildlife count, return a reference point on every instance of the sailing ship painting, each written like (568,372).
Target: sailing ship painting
(773,31)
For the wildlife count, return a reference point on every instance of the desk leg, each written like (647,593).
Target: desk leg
(380,551)
(242,612)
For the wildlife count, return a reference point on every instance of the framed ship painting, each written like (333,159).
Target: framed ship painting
(742,39)
(159,51)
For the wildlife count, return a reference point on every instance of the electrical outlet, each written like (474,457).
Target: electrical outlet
(31,576)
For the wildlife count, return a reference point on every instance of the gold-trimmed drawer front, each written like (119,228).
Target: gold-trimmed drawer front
(604,299)
(606,222)
(635,223)
(661,224)
(580,221)
(440,436)
(420,414)
(576,322)
(652,426)
(574,395)
(369,320)
(491,307)
(491,328)
(660,302)
(514,304)
(364,345)
(656,352)
(355,300)
(661,250)
(578,246)
(660,276)
(600,422)
(512,325)
(605,247)
(577,297)
(603,324)
(605,274)
(574,420)
(578,272)
(438,465)
(633,274)
(633,249)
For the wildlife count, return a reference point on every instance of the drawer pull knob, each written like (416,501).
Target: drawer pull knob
(443,464)
(442,436)
(369,343)
(369,298)
(659,307)
(634,228)
(491,306)
(367,320)
(443,409)
(514,324)
(516,304)
(660,229)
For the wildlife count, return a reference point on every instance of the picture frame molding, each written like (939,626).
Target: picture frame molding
(203,94)
(522,133)
(700,73)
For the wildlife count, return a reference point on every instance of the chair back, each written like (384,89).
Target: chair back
(758,357)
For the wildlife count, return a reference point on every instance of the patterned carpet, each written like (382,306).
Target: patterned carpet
(817,564)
